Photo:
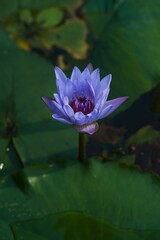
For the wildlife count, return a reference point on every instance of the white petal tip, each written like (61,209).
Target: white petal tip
(87,128)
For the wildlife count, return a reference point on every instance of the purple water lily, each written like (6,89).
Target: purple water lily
(82,99)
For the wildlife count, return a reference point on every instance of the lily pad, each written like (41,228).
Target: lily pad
(24,118)
(106,196)
(119,39)
(49,17)
(71,36)
(7,7)
(144,135)
(26,16)
(39,4)
(76,226)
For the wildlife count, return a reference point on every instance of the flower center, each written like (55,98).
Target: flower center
(82,104)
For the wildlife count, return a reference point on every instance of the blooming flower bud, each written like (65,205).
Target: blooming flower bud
(82,99)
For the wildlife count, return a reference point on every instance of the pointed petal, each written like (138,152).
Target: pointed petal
(58,109)
(87,128)
(105,112)
(60,87)
(114,103)
(95,76)
(60,119)
(100,102)
(105,82)
(57,98)
(76,74)
(86,74)
(60,74)
(49,102)
(90,67)
(103,87)
(53,106)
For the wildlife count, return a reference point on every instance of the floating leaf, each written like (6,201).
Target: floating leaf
(118,31)
(49,17)
(142,20)
(26,16)
(76,225)
(39,4)
(24,118)
(7,7)
(45,30)
(144,135)
(70,36)
(106,196)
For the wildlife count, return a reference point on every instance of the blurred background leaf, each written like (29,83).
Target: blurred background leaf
(48,27)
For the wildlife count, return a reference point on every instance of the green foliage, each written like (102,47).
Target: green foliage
(49,17)
(39,4)
(125,42)
(7,7)
(108,199)
(24,126)
(48,27)
(145,135)
(26,16)
(45,193)
(63,37)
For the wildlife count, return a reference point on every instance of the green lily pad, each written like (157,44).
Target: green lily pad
(7,7)
(24,117)
(39,4)
(143,20)
(71,36)
(121,31)
(76,226)
(20,233)
(117,200)
(49,17)
(144,135)
(5,231)
(26,16)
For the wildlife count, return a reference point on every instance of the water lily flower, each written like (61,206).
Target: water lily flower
(82,99)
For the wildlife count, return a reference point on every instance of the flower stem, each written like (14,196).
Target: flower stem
(82,148)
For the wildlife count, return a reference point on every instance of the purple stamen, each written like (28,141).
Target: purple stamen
(82,104)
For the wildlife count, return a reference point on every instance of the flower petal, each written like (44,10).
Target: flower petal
(105,112)
(105,82)
(95,76)
(79,118)
(60,87)
(69,111)
(60,74)
(100,102)
(87,128)
(86,73)
(53,106)
(84,88)
(76,74)
(103,87)
(69,90)
(90,67)
(59,109)
(49,102)
(60,119)
(115,103)
(57,98)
